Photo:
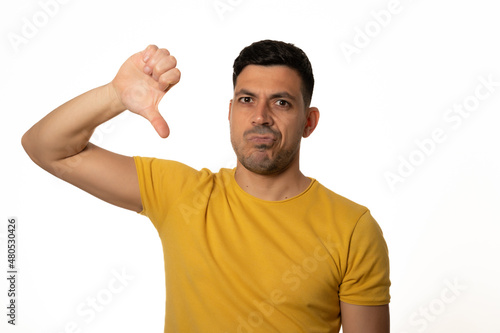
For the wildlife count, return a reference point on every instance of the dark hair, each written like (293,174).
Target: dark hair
(271,52)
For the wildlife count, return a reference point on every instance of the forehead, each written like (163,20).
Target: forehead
(276,77)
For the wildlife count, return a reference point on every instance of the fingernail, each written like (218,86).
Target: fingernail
(147,69)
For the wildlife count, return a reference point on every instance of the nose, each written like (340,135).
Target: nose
(262,115)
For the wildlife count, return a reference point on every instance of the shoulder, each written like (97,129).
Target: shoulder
(170,168)
(340,206)
(160,164)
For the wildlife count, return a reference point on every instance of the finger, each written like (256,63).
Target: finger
(154,59)
(148,52)
(163,65)
(169,79)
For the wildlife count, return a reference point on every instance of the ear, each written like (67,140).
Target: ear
(230,107)
(311,121)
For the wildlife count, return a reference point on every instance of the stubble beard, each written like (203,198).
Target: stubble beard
(260,162)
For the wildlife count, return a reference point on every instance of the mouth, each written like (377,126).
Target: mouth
(261,139)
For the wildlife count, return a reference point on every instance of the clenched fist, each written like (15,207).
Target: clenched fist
(143,80)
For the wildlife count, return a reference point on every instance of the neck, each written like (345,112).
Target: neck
(275,187)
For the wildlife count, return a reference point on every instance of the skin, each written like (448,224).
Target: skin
(59,142)
(364,319)
(267,118)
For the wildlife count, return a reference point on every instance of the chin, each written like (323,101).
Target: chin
(264,167)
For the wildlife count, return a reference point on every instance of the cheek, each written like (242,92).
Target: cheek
(233,128)
(235,133)
(294,132)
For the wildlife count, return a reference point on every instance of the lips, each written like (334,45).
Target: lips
(261,139)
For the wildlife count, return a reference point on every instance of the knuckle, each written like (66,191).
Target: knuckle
(157,68)
(174,75)
(158,55)
(171,77)
(151,49)
(164,52)
(173,61)
(165,65)
(164,80)
(177,73)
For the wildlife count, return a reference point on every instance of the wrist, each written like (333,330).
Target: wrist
(114,103)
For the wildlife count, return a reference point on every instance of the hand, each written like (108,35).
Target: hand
(143,80)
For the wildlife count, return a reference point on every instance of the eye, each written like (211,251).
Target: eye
(282,103)
(246,99)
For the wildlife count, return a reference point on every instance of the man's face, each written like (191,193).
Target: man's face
(268,118)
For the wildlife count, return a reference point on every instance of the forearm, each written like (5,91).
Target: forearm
(66,131)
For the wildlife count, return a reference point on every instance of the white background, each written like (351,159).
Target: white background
(440,223)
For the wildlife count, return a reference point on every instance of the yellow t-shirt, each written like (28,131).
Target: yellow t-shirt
(236,263)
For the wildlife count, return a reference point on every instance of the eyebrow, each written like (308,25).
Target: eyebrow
(281,94)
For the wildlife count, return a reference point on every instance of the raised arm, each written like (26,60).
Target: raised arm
(59,143)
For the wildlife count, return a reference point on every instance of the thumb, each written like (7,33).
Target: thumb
(158,122)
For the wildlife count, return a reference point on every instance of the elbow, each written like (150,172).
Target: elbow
(27,142)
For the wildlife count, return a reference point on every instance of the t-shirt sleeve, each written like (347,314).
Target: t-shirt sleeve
(366,280)
(162,183)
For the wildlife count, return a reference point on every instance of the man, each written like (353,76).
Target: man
(260,248)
